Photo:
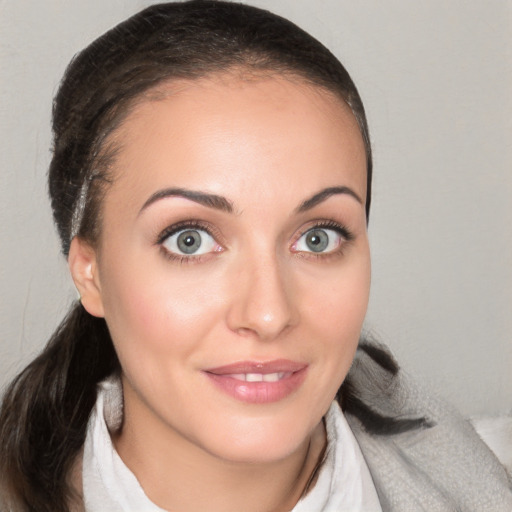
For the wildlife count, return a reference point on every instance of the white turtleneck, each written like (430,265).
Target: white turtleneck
(344,483)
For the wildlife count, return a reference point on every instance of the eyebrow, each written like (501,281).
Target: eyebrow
(209,200)
(325,194)
(223,204)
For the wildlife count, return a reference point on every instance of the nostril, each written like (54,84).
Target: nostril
(244,331)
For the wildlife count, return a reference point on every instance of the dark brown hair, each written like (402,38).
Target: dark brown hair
(44,413)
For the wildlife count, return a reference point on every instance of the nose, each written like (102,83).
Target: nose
(263,303)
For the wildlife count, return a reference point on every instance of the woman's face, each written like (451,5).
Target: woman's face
(233,268)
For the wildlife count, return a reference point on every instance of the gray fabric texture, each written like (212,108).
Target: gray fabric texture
(441,468)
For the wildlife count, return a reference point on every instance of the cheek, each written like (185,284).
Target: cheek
(335,313)
(337,305)
(157,310)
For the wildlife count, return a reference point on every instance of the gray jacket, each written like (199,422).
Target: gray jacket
(437,464)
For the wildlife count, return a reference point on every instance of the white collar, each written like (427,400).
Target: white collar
(344,483)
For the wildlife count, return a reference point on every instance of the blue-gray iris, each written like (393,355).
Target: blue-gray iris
(189,241)
(317,240)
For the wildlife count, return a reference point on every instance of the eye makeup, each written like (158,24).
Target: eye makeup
(198,241)
(191,241)
(321,235)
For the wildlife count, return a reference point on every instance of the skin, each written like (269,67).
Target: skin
(259,294)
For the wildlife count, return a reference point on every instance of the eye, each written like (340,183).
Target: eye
(190,242)
(319,240)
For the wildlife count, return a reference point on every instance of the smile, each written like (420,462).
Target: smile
(258,383)
(259,377)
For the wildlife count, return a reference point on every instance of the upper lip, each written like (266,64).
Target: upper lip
(263,367)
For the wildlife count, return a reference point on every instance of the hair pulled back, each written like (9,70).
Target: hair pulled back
(45,410)
(186,40)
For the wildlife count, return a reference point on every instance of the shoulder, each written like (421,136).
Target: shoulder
(75,483)
(429,457)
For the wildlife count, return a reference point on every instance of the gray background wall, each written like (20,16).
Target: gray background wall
(435,77)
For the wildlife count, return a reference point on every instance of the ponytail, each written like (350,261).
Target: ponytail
(373,380)
(44,414)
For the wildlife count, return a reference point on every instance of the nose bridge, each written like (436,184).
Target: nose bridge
(263,303)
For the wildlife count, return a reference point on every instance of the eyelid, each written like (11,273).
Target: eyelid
(187,224)
(332,225)
(327,224)
(194,225)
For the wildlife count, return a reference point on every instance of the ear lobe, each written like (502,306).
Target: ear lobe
(82,264)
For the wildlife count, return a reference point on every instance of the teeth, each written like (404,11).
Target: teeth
(258,377)
(253,377)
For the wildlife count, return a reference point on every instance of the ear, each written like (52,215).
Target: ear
(82,262)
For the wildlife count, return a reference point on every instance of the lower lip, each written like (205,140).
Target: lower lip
(258,392)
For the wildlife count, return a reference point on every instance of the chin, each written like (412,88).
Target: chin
(260,451)
(260,440)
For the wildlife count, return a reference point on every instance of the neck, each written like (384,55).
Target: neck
(179,476)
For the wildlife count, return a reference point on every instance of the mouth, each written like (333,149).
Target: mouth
(258,382)
(259,377)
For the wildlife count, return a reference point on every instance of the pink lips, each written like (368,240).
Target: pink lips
(259,382)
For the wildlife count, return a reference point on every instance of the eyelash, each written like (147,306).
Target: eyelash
(347,236)
(202,226)
(184,226)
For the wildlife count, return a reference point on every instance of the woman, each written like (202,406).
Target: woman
(211,184)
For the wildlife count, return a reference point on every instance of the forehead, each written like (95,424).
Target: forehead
(226,134)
